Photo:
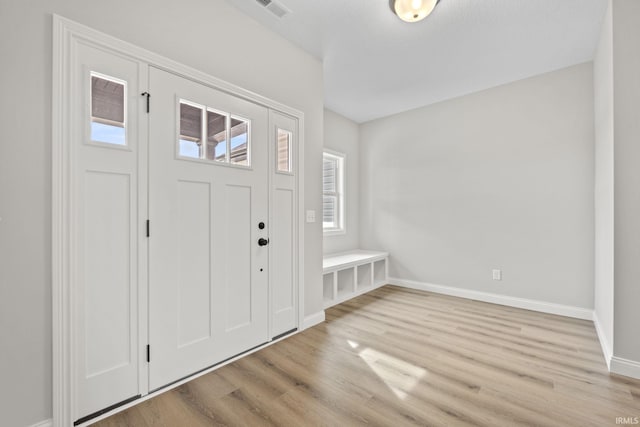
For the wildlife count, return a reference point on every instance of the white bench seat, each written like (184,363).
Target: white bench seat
(349,274)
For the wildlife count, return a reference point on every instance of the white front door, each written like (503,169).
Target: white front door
(208,251)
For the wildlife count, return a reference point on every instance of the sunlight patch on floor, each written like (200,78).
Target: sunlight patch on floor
(400,376)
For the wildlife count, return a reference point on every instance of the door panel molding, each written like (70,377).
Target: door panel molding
(67,35)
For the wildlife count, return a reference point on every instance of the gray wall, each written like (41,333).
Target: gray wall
(498,179)
(603,101)
(209,35)
(341,135)
(626,106)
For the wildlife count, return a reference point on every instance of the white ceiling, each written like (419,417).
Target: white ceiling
(376,65)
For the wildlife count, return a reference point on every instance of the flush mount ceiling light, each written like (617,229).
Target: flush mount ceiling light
(413,10)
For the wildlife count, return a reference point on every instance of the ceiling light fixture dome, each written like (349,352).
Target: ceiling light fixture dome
(413,10)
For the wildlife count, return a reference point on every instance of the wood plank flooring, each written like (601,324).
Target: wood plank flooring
(398,357)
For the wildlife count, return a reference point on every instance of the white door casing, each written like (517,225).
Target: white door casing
(116,172)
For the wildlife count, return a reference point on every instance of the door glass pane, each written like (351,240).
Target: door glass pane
(216,136)
(210,134)
(284,151)
(108,110)
(190,143)
(239,153)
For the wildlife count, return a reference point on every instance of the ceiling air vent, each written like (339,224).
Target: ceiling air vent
(277,9)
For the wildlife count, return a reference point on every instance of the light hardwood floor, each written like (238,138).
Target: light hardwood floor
(397,357)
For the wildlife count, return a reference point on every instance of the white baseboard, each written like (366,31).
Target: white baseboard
(528,304)
(626,367)
(604,343)
(45,423)
(313,320)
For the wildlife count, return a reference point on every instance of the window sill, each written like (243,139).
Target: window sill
(329,233)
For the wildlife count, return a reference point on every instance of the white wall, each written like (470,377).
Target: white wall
(498,179)
(604,231)
(626,106)
(341,135)
(209,35)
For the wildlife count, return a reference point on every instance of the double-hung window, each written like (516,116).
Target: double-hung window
(333,193)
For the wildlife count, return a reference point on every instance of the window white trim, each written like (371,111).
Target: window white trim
(340,193)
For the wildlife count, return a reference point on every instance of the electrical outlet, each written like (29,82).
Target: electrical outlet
(497,274)
(311,216)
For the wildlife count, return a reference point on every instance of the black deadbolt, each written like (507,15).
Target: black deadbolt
(261,226)
(263,242)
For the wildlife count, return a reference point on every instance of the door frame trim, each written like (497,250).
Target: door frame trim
(66,34)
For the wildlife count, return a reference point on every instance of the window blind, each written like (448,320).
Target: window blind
(107,101)
(329,189)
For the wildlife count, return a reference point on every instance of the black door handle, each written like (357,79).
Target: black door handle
(263,242)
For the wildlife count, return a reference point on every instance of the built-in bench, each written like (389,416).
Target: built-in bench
(349,274)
